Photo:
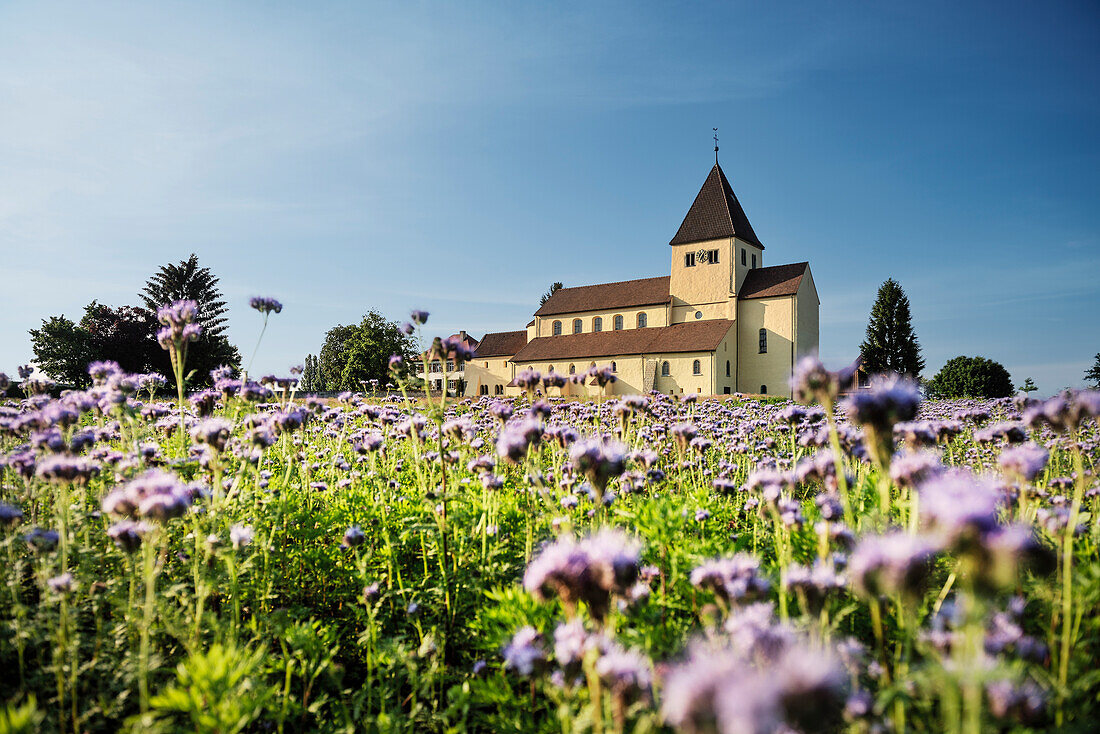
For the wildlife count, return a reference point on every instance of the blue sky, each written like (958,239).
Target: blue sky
(458,157)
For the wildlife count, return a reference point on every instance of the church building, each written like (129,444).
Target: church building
(721,322)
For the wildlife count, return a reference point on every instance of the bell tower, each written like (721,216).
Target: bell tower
(707,250)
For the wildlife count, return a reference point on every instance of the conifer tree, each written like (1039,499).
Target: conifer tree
(890,344)
(1092,375)
(188,281)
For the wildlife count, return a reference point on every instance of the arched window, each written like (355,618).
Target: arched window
(557,328)
(743,261)
(484,390)
(550,368)
(696,367)
(763,341)
(664,369)
(642,320)
(763,389)
(498,389)
(727,368)
(618,322)
(572,369)
(578,326)
(614,367)
(597,324)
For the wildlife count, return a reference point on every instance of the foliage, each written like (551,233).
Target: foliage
(1092,374)
(554,288)
(365,565)
(62,350)
(357,353)
(1028,387)
(971,377)
(123,334)
(220,690)
(890,344)
(187,281)
(311,375)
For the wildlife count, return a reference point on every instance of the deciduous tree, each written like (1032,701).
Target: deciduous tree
(971,377)
(357,353)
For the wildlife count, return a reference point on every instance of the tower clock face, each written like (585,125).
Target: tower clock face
(702,256)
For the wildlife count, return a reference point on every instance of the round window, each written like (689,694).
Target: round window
(698,314)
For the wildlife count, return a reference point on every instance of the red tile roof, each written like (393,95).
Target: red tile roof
(501,344)
(695,336)
(778,280)
(715,213)
(607,296)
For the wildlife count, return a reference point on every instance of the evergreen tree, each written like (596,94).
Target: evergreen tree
(1092,375)
(554,288)
(187,280)
(309,381)
(1028,387)
(890,344)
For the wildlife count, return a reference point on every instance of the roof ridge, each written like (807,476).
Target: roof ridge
(611,282)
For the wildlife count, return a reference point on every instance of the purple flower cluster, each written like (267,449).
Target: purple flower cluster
(265,305)
(155,495)
(179,327)
(589,570)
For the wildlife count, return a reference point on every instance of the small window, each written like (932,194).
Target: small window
(744,256)
(484,390)
(726,390)
(763,389)
(550,368)
(614,367)
(557,328)
(689,260)
(696,367)
(642,320)
(486,365)
(754,260)
(713,257)
(578,326)
(664,369)
(763,341)
(698,314)
(727,368)
(498,389)
(572,369)
(618,322)
(450,365)
(597,324)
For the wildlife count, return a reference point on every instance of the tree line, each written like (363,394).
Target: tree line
(63,348)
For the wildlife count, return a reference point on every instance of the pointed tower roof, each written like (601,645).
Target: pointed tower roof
(715,213)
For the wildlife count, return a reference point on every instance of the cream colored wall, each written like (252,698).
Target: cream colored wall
(705,282)
(726,309)
(742,270)
(655,316)
(773,368)
(498,372)
(806,328)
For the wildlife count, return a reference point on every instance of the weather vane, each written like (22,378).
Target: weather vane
(715,145)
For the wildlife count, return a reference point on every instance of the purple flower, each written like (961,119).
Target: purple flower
(524,653)
(241,536)
(10,515)
(890,399)
(599,461)
(735,579)
(1024,461)
(587,571)
(213,432)
(892,563)
(960,507)
(64,468)
(128,534)
(419,317)
(62,584)
(353,537)
(265,305)
(627,673)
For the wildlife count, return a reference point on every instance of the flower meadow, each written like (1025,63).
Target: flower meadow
(247,559)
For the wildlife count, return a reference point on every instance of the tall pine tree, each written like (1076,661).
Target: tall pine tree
(890,344)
